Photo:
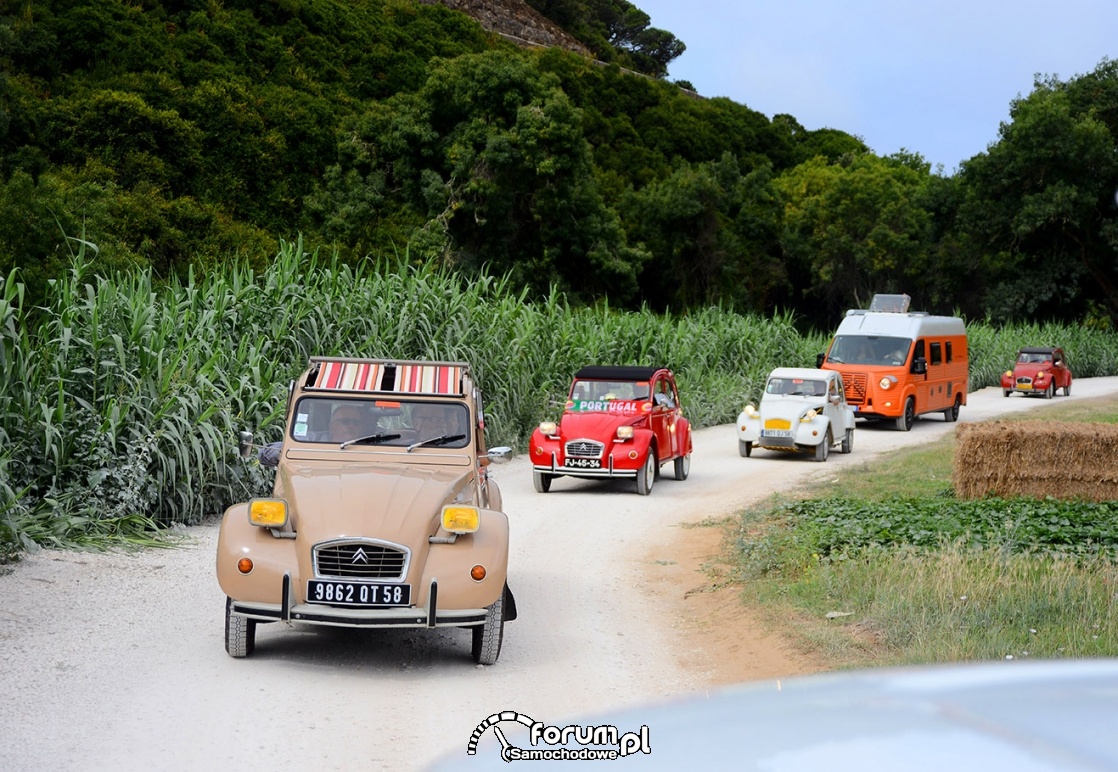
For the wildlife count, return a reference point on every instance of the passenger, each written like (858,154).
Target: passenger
(346,423)
(432,421)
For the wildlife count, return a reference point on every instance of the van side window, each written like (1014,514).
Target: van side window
(937,354)
(949,357)
(919,350)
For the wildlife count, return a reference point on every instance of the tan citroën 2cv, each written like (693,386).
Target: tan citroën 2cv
(382,515)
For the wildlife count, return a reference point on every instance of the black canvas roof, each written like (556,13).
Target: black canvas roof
(1036,350)
(612,373)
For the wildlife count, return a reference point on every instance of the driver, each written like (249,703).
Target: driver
(431,421)
(345,423)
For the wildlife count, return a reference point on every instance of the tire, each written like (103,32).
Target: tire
(904,423)
(744,448)
(1050,390)
(240,632)
(1067,389)
(541,481)
(486,644)
(646,475)
(683,467)
(823,449)
(951,414)
(1005,392)
(848,441)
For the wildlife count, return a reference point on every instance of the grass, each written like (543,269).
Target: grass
(1041,582)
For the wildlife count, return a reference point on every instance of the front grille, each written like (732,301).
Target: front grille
(584,449)
(1024,381)
(359,560)
(856,387)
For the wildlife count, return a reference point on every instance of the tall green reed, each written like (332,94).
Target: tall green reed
(121,397)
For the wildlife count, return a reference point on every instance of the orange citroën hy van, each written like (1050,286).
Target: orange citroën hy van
(898,364)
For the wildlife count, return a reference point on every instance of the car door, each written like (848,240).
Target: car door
(833,409)
(1060,370)
(665,410)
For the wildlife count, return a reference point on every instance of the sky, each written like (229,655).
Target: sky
(934,77)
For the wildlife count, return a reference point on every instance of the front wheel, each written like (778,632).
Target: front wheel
(1050,390)
(541,481)
(240,632)
(848,441)
(1005,392)
(486,644)
(1067,389)
(744,448)
(823,449)
(683,467)
(646,475)
(904,422)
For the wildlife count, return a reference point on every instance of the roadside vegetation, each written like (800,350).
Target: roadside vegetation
(884,566)
(121,397)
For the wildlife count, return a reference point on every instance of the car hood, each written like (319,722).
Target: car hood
(594,425)
(398,503)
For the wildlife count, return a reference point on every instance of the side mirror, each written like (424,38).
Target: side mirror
(835,399)
(919,366)
(819,360)
(499,454)
(244,447)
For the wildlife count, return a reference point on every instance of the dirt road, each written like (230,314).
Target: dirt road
(111,661)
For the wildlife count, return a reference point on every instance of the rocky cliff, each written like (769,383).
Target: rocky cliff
(516,20)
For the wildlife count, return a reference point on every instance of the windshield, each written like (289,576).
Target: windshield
(608,396)
(394,423)
(869,350)
(796,387)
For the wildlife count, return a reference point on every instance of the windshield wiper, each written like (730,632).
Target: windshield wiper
(374,439)
(442,439)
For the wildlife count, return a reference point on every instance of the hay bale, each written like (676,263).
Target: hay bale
(1060,459)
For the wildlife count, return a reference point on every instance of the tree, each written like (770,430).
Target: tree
(490,153)
(615,30)
(711,234)
(1040,204)
(853,229)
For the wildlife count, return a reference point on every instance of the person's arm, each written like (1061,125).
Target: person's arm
(269,454)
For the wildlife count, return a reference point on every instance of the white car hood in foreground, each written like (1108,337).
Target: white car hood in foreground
(1020,716)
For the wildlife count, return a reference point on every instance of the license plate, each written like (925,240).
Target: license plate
(1024,386)
(358,593)
(776,433)
(582,463)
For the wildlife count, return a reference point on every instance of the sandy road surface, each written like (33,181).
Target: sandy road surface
(116,661)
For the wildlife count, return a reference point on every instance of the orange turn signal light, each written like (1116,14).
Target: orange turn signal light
(477,573)
(244,565)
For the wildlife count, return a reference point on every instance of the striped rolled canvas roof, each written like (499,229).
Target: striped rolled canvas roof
(380,376)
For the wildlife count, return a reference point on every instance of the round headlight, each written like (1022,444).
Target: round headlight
(1008,373)
(548,428)
(809,416)
(750,410)
(887,381)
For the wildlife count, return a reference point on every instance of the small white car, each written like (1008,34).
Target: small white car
(803,410)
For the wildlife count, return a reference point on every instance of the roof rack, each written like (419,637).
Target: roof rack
(408,377)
